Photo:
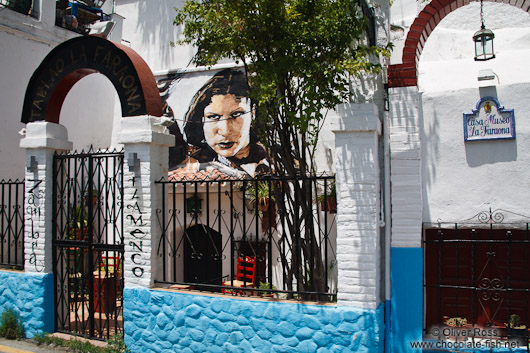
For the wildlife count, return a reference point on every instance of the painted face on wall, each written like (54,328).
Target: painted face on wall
(227,125)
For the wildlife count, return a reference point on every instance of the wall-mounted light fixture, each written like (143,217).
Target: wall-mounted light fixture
(133,161)
(31,164)
(486,78)
(483,40)
(194,204)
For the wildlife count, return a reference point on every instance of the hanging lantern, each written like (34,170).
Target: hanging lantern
(483,41)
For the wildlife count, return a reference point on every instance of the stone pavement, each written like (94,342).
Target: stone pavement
(26,346)
(30,346)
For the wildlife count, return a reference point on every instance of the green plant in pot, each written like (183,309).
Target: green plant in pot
(259,194)
(77,224)
(516,330)
(456,321)
(328,199)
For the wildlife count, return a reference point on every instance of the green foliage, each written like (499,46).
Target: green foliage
(11,324)
(83,347)
(331,192)
(114,345)
(41,338)
(72,345)
(259,191)
(298,56)
(515,322)
(266,285)
(456,322)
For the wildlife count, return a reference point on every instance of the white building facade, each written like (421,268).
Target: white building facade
(417,166)
(448,199)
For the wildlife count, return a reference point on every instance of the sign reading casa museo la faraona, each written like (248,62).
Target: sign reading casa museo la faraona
(489,121)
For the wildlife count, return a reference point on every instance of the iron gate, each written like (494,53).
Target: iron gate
(477,276)
(88,243)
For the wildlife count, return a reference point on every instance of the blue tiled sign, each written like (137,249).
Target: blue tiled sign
(489,121)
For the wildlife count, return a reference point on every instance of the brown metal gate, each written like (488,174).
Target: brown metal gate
(88,243)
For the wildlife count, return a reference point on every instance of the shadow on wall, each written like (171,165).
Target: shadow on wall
(155,19)
(358,186)
(481,153)
(432,131)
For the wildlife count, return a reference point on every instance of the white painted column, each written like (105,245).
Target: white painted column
(47,10)
(146,161)
(41,141)
(405,167)
(358,196)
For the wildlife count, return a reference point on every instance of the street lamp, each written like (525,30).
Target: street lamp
(483,41)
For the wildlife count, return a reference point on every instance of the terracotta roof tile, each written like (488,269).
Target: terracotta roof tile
(203,172)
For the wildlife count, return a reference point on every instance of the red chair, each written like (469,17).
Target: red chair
(246,276)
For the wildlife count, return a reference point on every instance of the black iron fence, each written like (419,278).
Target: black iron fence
(269,237)
(25,7)
(477,282)
(12,224)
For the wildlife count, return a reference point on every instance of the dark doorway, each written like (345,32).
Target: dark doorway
(202,255)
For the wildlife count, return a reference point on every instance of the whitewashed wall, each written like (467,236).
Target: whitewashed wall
(89,108)
(461,179)
(149,30)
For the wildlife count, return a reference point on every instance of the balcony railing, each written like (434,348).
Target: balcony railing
(78,16)
(25,7)
(250,237)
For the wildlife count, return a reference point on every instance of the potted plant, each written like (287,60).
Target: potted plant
(266,285)
(516,330)
(94,197)
(328,200)
(105,290)
(259,195)
(453,323)
(107,284)
(77,225)
(456,321)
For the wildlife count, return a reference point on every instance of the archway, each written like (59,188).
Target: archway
(87,253)
(405,74)
(72,60)
(428,152)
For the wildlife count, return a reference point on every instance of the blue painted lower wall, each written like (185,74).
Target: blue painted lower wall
(31,295)
(164,321)
(406,310)
(406,313)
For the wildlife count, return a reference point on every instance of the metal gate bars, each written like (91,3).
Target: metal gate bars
(88,243)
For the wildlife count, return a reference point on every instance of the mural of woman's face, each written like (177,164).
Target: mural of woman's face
(227,124)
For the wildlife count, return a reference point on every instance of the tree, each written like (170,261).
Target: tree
(298,56)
